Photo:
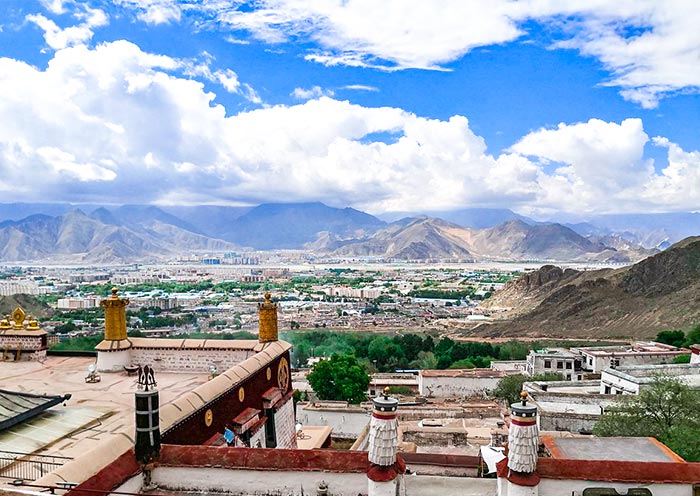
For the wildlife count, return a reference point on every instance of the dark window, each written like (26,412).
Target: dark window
(607,389)
(568,365)
(579,377)
(547,364)
(568,377)
(560,365)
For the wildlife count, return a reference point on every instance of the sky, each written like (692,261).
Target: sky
(541,106)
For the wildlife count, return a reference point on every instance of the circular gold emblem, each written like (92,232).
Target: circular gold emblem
(208,418)
(241,394)
(283,374)
(269,373)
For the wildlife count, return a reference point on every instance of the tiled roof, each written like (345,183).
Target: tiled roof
(16,407)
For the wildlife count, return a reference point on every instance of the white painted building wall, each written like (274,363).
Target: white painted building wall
(441,386)
(172,360)
(554,487)
(346,423)
(285,426)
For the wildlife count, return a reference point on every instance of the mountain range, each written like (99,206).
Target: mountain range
(661,292)
(106,233)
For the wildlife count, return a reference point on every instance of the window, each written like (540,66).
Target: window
(548,364)
(568,377)
(607,389)
(568,365)
(560,365)
(579,377)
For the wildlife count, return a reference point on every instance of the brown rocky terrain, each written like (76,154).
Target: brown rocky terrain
(659,293)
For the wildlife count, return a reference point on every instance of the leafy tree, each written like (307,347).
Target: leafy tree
(693,336)
(386,354)
(426,361)
(509,388)
(341,378)
(668,409)
(465,363)
(673,338)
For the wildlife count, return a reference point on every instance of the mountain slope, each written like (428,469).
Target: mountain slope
(659,293)
(77,237)
(410,239)
(429,238)
(292,225)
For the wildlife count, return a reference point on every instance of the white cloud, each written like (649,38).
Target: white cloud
(360,87)
(58,38)
(154,11)
(225,77)
(313,92)
(650,48)
(115,124)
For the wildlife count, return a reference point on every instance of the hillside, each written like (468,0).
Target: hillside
(77,237)
(659,293)
(430,238)
(30,304)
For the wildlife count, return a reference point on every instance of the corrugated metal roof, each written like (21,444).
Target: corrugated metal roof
(16,407)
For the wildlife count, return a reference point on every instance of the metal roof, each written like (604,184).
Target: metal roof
(16,407)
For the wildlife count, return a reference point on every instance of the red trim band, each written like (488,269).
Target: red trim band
(384,416)
(523,422)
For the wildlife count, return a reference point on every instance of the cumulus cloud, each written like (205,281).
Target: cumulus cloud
(57,38)
(117,124)
(313,92)
(154,11)
(650,48)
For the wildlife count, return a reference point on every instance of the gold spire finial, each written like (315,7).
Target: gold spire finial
(268,320)
(523,397)
(115,316)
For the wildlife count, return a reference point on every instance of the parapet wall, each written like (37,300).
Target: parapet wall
(184,360)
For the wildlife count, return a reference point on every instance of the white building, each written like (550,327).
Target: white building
(76,303)
(555,361)
(595,359)
(632,379)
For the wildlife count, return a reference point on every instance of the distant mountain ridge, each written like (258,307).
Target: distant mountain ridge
(658,293)
(147,232)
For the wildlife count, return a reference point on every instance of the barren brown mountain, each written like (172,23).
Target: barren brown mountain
(659,293)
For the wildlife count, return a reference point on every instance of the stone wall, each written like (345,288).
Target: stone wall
(186,360)
(10,342)
(456,386)
(285,425)
(257,440)
(568,422)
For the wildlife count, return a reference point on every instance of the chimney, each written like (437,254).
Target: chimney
(147,445)
(386,469)
(268,320)
(523,440)
(115,317)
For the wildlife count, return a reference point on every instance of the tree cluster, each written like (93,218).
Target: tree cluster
(341,378)
(667,409)
(679,338)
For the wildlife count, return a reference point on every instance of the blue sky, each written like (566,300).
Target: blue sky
(540,106)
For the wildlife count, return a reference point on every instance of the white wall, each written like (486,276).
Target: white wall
(455,386)
(346,424)
(285,426)
(171,360)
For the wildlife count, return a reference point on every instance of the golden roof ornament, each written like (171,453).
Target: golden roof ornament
(267,310)
(32,324)
(18,317)
(115,316)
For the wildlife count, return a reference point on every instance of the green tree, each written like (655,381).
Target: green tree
(667,409)
(426,361)
(341,378)
(682,359)
(509,388)
(673,338)
(693,336)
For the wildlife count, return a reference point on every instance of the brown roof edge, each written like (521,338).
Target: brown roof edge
(604,470)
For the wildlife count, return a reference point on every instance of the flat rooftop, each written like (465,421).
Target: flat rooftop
(639,347)
(467,373)
(624,449)
(95,413)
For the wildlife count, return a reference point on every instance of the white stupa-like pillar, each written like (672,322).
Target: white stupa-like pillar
(386,468)
(523,439)
(695,354)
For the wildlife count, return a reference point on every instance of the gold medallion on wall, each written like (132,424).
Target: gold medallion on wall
(269,373)
(208,418)
(241,394)
(283,374)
